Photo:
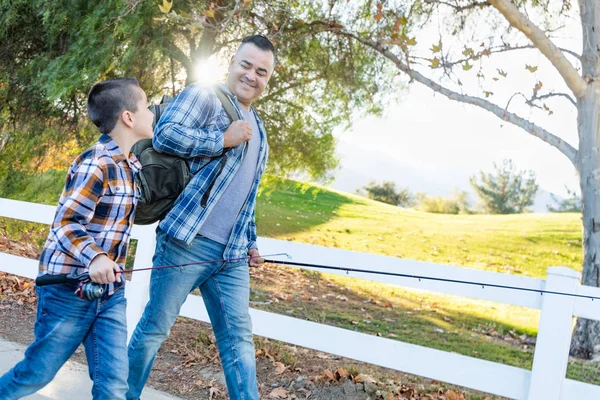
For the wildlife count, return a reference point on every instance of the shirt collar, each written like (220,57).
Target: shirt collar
(117,155)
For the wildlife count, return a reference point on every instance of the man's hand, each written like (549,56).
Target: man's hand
(102,270)
(238,132)
(255,259)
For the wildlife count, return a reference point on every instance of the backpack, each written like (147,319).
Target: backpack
(164,176)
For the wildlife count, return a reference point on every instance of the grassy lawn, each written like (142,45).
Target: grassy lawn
(524,244)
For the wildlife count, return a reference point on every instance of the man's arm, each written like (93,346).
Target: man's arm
(182,129)
(252,232)
(255,258)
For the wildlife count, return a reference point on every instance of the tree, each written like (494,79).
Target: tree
(572,204)
(386,192)
(473,38)
(456,203)
(506,191)
(50,59)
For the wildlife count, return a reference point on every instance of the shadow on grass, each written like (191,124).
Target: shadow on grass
(287,206)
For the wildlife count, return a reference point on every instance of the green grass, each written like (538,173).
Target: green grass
(525,244)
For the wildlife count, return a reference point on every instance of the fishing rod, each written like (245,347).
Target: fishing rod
(420,277)
(89,290)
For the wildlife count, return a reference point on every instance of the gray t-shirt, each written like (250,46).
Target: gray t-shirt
(220,221)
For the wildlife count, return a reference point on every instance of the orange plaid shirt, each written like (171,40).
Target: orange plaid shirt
(95,211)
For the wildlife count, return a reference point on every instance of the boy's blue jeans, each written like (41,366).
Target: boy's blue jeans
(63,322)
(225,290)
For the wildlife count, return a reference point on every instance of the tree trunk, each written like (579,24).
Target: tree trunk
(586,337)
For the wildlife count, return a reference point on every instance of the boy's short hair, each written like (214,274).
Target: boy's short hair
(261,42)
(108,99)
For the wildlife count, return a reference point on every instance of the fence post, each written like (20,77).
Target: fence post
(554,335)
(138,287)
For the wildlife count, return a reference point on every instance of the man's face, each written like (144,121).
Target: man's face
(249,72)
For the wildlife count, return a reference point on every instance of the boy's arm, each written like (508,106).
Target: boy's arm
(182,129)
(76,209)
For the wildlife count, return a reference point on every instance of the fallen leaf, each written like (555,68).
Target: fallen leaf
(329,375)
(279,368)
(342,373)
(363,378)
(279,393)
(452,395)
(213,392)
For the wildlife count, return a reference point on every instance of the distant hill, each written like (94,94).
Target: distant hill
(428,177)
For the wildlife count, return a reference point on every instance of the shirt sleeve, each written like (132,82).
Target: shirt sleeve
(252,232)
(184,128)
(76,208)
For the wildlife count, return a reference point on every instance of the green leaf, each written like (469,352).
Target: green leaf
(411,41)
(166,6)
(467,66)
(468,52)
(502,73)
(537,87)
(435,63)
(531,68)
(436,48)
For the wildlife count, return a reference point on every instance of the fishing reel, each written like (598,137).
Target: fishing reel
(86,289)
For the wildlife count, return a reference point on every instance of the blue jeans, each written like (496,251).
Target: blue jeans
(63,322)
(225,290)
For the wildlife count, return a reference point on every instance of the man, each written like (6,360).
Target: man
(213,219)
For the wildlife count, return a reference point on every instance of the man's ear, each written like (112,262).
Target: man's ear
(127,118)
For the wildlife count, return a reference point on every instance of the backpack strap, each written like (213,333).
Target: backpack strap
(227,104)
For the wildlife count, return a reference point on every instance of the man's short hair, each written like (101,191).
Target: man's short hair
(261,42)
(108,99)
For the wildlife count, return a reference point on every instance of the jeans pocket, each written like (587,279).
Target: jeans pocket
(161,243)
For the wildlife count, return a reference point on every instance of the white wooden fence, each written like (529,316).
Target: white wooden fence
(546,381)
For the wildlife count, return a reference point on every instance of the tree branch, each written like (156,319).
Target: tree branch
(290,86)
(458,8)
(503,114)
(545,96)
(572,78)
(495,51)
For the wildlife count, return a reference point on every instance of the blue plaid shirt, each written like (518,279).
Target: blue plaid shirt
(192,126)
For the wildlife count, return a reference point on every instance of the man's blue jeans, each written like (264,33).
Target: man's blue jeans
(225,290)
(63,322)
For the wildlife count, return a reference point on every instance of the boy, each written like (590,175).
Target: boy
(90,233)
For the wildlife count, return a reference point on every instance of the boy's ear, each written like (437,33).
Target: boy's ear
(127,118)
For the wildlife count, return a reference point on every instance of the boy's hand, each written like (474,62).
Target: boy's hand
(102,270)
(238,132)
(255,259)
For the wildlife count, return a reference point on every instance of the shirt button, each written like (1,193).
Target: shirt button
(118,188)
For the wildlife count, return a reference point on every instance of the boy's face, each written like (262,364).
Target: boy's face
(143,117)
(249,72)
